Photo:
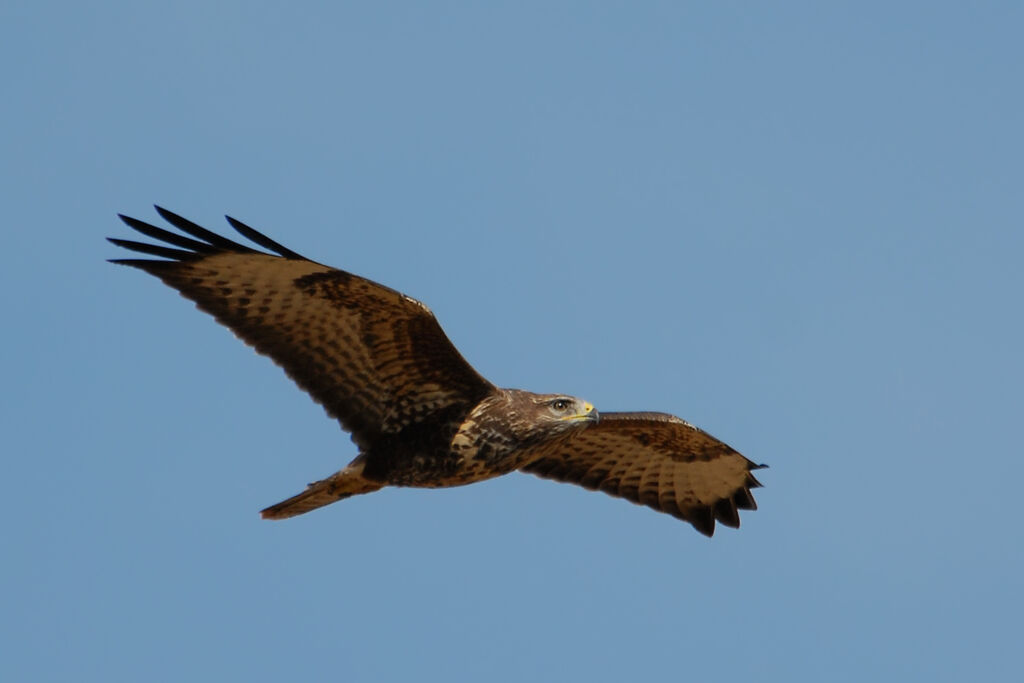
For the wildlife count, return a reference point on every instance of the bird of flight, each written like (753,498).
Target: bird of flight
(420,415)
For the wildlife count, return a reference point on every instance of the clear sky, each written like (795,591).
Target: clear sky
(797,225)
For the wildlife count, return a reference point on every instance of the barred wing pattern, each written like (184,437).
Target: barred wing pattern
(376,359)
(657,460)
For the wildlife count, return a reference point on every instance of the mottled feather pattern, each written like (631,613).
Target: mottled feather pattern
(411,355)
(657,460)
(376,359)
(303,334)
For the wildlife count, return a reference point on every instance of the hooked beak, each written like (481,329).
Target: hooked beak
(589,413)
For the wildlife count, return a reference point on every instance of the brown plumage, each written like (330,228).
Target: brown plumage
(379,363)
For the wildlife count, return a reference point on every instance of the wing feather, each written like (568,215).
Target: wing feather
(167,236)
(376,359)
(202,233)
(261,239)
(657,460)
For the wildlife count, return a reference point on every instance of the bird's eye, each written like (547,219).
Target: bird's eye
(560,404)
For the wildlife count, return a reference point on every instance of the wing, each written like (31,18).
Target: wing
(376,359)
(659,461)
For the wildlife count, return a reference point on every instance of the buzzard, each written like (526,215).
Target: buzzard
(379,362)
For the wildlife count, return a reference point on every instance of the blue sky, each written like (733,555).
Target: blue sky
(798,226)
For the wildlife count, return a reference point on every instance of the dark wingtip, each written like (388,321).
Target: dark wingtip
(726,512)
(702,519)
(169,216)
(744,500)
(133,223)
(262,240)
(197,231)
(154,249)
(149,265)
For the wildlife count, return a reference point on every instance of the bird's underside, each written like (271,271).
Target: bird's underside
(420,415)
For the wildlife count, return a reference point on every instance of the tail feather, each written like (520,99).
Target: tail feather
(348,482)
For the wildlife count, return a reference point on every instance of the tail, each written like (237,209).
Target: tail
(347,482)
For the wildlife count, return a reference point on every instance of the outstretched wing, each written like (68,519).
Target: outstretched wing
(659,461)
(376,359)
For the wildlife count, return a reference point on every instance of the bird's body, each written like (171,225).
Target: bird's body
(466,449)
(420,415)
(479,445)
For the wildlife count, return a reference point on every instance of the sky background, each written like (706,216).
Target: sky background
(797,225)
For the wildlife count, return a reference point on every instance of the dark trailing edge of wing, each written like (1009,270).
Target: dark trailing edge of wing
(724,510)
(208,242)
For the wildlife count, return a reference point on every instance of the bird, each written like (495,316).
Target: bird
(419,414)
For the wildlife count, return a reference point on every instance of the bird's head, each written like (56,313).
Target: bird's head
(521,419)
(565,410)
(536,417)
